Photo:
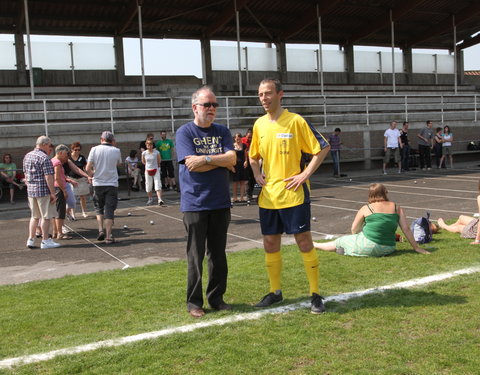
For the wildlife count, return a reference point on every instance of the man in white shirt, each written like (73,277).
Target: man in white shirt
(392,144)
(102,165)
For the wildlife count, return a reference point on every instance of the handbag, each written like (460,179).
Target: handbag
(151,172)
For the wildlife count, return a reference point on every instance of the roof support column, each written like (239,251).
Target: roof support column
(29,47)
(119,58)
(282,60)
(350,63)
(455,65)
(239,50)
(393,51)
(408,64)
(320,56)
(460,67)
(142,62)
(206,52)
(20,57)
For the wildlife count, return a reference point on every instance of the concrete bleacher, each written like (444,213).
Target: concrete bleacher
(82,112)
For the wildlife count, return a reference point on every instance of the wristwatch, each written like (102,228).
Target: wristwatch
(208,159)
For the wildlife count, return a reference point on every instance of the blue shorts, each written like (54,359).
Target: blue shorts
(290,220)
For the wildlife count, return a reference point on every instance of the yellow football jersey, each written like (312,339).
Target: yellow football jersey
(280,145)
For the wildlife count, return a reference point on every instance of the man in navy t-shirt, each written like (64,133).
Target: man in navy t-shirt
(205,154)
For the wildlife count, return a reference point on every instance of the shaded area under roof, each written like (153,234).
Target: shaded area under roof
(418,23)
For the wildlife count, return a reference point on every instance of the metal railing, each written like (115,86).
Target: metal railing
(85,115)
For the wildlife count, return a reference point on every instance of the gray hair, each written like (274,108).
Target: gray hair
(43,140)
(61,148)
(196,94)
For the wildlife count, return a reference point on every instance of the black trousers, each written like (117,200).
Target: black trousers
(207,234)
(425,156)
(251,181)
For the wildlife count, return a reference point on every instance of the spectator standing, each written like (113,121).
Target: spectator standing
(279,139)
(447,139)
(437,147)
(335,146)
(392,144)
(8,172)
(166,148)
(205,154)
(82,190)
(425,145)
(151,159)
(247,140)
(240,175)
(60,158)
(405,150)
(102,165)
(39,173)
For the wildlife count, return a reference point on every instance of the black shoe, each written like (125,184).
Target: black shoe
(222,306)
(343,175)
(317,304)
(101,236)
(270,299)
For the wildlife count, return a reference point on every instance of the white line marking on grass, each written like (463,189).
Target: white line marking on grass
(34,358)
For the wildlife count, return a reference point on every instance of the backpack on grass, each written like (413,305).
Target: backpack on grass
(421,230)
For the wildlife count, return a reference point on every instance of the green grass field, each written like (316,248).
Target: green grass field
(432,329)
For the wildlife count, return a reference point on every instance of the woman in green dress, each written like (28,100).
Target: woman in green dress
(373,229)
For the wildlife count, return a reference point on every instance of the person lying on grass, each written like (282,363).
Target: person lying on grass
(373,229)
(467,226)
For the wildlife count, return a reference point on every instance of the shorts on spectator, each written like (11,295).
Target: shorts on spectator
(41,207)
(105,200)
(389,152)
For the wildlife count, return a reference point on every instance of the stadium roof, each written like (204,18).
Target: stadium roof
(418,23)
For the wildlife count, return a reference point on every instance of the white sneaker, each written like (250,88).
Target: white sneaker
(49,244)
(149,202)
(31,243)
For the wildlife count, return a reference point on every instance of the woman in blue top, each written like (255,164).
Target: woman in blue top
(373,229)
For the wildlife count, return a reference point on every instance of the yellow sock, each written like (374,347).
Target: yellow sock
(273,262)
(310,261)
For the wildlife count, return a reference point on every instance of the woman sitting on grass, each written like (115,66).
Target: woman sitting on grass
(373,229)
(467,226)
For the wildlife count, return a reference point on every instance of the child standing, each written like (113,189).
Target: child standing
(447,139)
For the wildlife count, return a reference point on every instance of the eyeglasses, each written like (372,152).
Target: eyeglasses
(208,104)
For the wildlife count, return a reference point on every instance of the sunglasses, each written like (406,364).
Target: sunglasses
(208,105)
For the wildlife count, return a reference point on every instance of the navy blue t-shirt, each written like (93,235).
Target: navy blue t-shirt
(201,191)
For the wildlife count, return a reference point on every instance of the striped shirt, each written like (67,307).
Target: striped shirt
(37,165)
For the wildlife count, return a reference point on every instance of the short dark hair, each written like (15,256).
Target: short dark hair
(133,153)
(276,82)
(338,130)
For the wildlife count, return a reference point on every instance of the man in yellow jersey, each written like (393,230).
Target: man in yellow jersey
(279,139)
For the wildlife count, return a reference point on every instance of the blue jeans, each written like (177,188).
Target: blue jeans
(336,162)
(405,153)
